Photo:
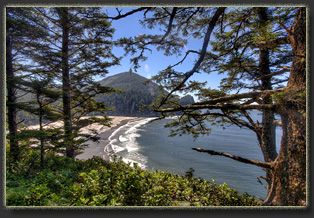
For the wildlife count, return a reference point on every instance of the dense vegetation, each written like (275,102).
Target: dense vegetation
(261,53)
(95,182)
(55,53)
(134,94)
(137,91)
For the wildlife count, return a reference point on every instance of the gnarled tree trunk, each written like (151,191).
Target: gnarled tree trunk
(289,169)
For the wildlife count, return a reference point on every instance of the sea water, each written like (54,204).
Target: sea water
(147,144)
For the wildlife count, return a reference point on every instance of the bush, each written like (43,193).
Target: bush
(95,182)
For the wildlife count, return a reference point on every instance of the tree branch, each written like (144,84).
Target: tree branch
(237,158)
(128,13)
(283,26)
(254,125)
(174,11)
(274,74)
(227,106)
(236,121)
(277,123)
(240,96)
(270,43)
(186,54)
(188,74)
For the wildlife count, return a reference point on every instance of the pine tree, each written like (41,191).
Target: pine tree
(263,40)
(289,181)
(45,93)
(22,34)
(253,69)
(80,49)
(72,46)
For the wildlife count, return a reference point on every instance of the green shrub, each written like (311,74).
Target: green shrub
(95,182)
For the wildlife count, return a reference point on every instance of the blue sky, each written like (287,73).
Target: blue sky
(157,61)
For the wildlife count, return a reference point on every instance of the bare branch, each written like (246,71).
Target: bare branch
(254,125)
(283,26)
(236,121)
(165,9)
(260,182)
(281,81)
(237,158)
(186,54)
(128,13)
(56,22)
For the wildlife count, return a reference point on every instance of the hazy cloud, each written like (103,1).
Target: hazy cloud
(147,68)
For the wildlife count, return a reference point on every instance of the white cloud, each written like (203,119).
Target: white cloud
(147,69)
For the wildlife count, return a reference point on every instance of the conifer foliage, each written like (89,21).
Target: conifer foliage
(55,58)
(257,48)
(54,53)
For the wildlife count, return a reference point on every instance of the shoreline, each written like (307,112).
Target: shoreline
(99,148)
(102,148)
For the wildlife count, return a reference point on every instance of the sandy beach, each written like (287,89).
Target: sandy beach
(95,148)
(102,147)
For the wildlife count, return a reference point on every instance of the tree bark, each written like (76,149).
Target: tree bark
(14,145)
(42,141)
(267,165)
(66,84)
(289,174)
(268,139)
(266,136)
(40,119)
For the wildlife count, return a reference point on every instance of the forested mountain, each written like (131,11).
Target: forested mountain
(136,92)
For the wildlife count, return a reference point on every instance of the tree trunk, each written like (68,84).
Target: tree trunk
(42,141)
(66,84)
(289,172)
(268,131)
(267,137)
(11,93)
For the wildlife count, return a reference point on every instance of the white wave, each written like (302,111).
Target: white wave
(132,162)
(115,132)
(129,137)
(108,148)
(131,148)
(171,118)
(112,147)
(118,148)
(137,124)
(123,139)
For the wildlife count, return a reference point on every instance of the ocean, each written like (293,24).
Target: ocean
(147,144)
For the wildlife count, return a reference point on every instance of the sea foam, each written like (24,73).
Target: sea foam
(123,142)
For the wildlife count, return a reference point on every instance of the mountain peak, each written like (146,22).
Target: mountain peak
(129,81)
(136,94)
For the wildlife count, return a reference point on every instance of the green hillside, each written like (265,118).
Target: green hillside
(129,82)
(137,91)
